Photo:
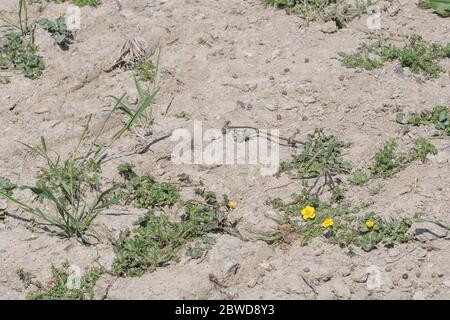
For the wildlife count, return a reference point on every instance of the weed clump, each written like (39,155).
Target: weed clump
(420,56)
(58,29)
(342,224)
(80,3)
(6,186)
(321,153)
(439,116)
(145,70)
(339,11)
(146,192)
(156,240)
(60,287)
(20,53)
(73,186)
(388,161)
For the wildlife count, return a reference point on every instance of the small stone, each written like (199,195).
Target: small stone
(341,78)
(341,290)
(405,276)
(278,116)
(284,93)
(234,75)
(447,283)
(306,269)
(360,276)
(307,100)
(286,70)
(272,78)
(41,111)
(329,27)
(426,231)
(306,60)
(393,252)
(419,295)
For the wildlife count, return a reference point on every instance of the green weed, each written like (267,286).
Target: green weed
(155,240)
(58,29)
(321,153)
(6,186)
(80,3)
(340,11)
(145,70)
(343,225)
(59,288)
(388,161)
(420,56)
(146,192)
(72,187)
(20,53)
(439,117)
(360,177)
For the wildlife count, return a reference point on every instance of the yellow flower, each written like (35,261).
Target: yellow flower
(308,212)
(232,204)
(327,223)
(370,223)
(62,13)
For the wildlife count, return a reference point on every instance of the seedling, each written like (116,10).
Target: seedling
(58,29)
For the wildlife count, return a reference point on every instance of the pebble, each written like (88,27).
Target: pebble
(393,252)
(426,231)
(419,295)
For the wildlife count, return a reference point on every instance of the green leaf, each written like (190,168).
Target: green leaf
(442,7)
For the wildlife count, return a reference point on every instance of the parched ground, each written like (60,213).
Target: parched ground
(290,73)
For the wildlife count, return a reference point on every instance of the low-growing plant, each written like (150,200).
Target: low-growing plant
(421,57)
(20,53)
(441,7)
(342,224)
(58,29)
(184,177)
(126,171)
(146,192)
(321,153)
(439,116)
(6,186)
(360,177)
(156,240)
(339,11)
(80,3)
(72,187)
(145,70)
(59,287)
(389,161)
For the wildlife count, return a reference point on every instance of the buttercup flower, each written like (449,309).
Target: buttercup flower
(232,204)
(308,212)
(370,223)
(327,223)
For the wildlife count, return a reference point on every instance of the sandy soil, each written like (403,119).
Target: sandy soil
(290,74)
